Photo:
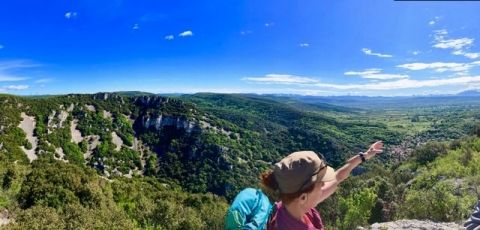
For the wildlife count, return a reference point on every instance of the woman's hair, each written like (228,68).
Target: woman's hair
(269,182)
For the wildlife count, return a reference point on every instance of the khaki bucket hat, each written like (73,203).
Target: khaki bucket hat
(299,170)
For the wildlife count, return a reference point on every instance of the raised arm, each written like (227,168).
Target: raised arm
(342,173)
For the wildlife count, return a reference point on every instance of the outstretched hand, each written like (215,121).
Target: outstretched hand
(375,148)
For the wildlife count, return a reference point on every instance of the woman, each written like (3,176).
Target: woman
(303,180)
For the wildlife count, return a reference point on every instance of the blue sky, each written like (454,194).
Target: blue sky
(313,47)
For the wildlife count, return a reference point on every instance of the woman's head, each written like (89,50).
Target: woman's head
(299,177)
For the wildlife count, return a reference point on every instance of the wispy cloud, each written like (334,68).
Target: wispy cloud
(169,37)
(135,26)
(459,46)
(416,52)
(187,33)
(440,66)
(5,77)
(1,47)
(375,74)
(405,84)
(6,67)
(16,87)
(43,80)
(281,79)
(269,24)
(304,45)
(454,43)
(434,21)
(16,64)
(466,54)
(245,32)
(285,79)
(70,15)
(370,52)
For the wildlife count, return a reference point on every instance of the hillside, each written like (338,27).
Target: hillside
(193,153)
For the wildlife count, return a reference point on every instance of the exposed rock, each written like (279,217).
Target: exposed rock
(135,145)
(107,115)
(27,125)
(70,108)
(162,121)
(93,141)
(50,121)
(61,155)
(416,225)
(4,217)
(76,134)
(90,108)
(129,174)
(106,96)
(207,125)
(62,117)
(117,141)
(150,100)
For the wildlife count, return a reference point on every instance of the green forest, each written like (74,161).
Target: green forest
(133,160)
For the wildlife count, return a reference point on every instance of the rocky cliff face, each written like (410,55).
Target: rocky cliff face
(161,121)
(151,100)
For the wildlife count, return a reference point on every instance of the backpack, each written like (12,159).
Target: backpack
(250,209)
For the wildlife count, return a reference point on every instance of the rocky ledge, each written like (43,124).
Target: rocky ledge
(415,225)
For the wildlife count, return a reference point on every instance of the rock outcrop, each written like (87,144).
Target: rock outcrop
(415,225)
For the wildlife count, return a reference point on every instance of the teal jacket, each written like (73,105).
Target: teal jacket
(250,210)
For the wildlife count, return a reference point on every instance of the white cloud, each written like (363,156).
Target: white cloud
(281,79)
(16,64)
(472,55)
(135,27)
(375,74)
(16,87)
(43,80)
(370,52)
(70,15)
(434,21)
(285,79)
(366,72)
(441,32)
(405,84)
(245,32)
(187,33)
(466,54)
(454,43)
(269,24)
(459,46)
(416,52)
(440,66)
(304,45)
(5,77)
(1,47)
(169,37)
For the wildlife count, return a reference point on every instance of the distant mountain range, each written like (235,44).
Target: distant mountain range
(470,93)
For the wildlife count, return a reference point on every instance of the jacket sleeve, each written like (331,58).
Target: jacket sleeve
(473,223)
